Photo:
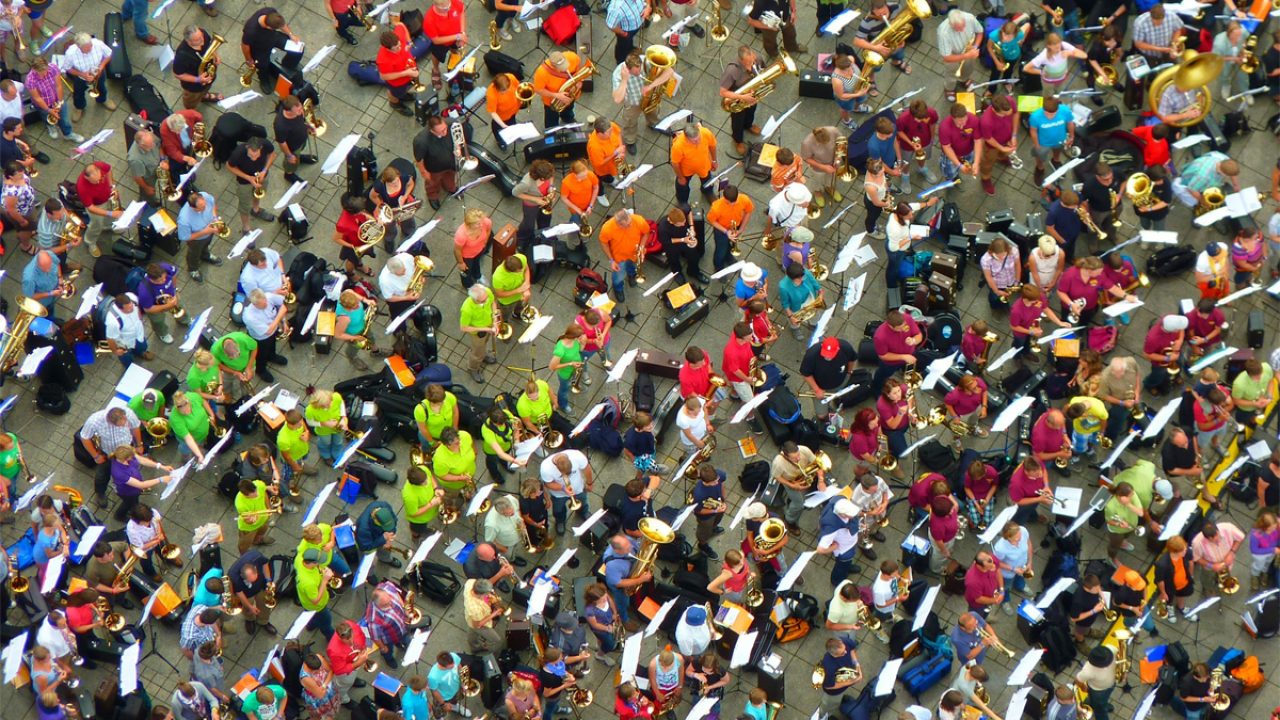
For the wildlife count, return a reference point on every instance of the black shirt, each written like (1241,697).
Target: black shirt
(832,665)
(435,153)
(1270,495)
(1271,61)
(1122,595)
(778,7)
(1173,457)
(1082,601)
(829,374)
(630,513)
(534,508)
(1162,191)
(257,560)
(1191,687)
(241,161)
(476,569)
(1064,221)
(550,682)
(291,132)
(1097,194)
(261,40)
(405,168)
(667,231)
(9,151)
(186,61)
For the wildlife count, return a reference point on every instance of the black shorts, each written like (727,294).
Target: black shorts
(1187,591)
(348,254)
(441,52)
(399,91)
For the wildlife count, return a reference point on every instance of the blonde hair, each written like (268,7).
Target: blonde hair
(349,299)
(203,359)
(321,398)
(473,216)
(312,533)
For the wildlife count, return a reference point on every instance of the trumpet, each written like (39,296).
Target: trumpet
(259,191)
(269,595)
(1227,584)
(989,635)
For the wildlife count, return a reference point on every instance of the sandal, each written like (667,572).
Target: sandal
(904,66)
(874,91)
(214,97)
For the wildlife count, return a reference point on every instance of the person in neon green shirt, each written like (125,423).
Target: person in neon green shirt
(190,423)
(148,404)
(237,356)
(326,413)
(1124,513)
(476,320)
(252,520)
(454,464)
(512,283)
(294,443)
(312,582)
(499,434)
(1088,416)
(536,405)
(566,359)
(205,378)
(1251,391)
(321,538)
(421,501)
(436,412)
(11,459)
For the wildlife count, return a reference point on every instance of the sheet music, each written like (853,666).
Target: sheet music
(666,123)
(631,655)
(87,540)
(424,549)
(175,477)
(244,242)
(988,536)
(620,366)
(321,55)
(192,339)
(565,556)
(1022,671)
(299,624)
(318,503)
(362,572)
(658,285)
(129,215)
(586,420)
(1117,450)
(936,369)
(683,516)
(656,623)
(1162,418)
(52,573)
(32,362)
(579,530)
(232,101)
(702,708)
(854,291)
(13,656)
(1144,708)
(887,677)
(1178,519)
(417,644)
(129,668)
(538,599)
(89,300)
(726,272)
(290,194)
(1059,587)
(1122,307)
(752,404)
(1017,704)
(482,494)
(925,607)
(338,156)
(742,649)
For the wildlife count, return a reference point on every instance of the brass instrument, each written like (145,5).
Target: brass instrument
(654,532)
(230,605)
(1012,291)
(495,42)
(572,87)
(819,269)
(809,310)
(246,75)
(918,148)
(734,250)
(756,373)
(1086,218)
(411,611)
(171,552)
(641,250)
(470,687)
(768,541)
(847,173)
(316,125)
(275,506)
(1161,609)
(1227,585)
(67,285)
(1123,663)
(158,428)
(209,60)
(200,145)
(551,439)
(762,84)
(719,32)
(885,459)
(370,665)
(178,312)
(981,693)
(260,191)
(821,463)
(164,185)
(422,266)
(370,233)
(994,642)
(702,455)
(269,596)
(55,109)
(1110,76)
(548,541)
(717,381)
(34,172)
(894,36)
(1063,462)
(461,154)
(125,571)
(1056,17)
(660,58)
(1196,70)
(335,580)
(584,226)
(1221,701)
(220,228)
(962,526)
(581,697)
(17,584)
(505,330)
(867,618)
(819,675)
(1211,199)
(549,201)
(1249,61)
(988,341)
(112,621)
(525,93)
(753,591)
(1109,615)
(1137,189)
(1083,711)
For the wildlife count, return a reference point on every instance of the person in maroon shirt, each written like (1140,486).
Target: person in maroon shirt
(974,346)
(1024,319)
(1080,287)
(944,526)
(967,403)
(923,491)
(916,125)
(1204,329)
(864,439)
(957,134)
(1163,347)
(896,341)
(736,364)
(895,415)
(1049,442)
(983,585)
(998,139)
(980,484)
(95,187)
(1029,489)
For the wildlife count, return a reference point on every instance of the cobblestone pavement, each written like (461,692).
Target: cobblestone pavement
(351,109)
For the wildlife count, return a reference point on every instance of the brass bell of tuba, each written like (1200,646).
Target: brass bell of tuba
(1195,71)
(15,340)
(660,59)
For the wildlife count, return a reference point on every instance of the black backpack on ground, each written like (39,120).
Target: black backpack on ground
(1268,618)
(754,476)
(439,583)
(145,100)
(1170,261)
(1059,648)
(52,398)
(498,62)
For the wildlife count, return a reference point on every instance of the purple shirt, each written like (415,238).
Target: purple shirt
(913,127)
(961,140)
(963,403)
(1261,543)
(1076,288)
(943,528)
(44,84)
(887,340)
(981,486)
(148,291)
(1022,487)
(121,473)
(972,345)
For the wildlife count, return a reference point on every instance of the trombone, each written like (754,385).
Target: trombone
(989,635)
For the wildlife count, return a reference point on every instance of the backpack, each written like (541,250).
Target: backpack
(1103,339)
(134,278)
(562,25)
(1170,261)
(1061,565)
(364,72)
(604,437)
(754,476)
(792,628)
(52,398)
(589,281)
(1250,674)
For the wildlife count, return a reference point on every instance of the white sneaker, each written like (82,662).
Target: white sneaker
(75,137)
(54,132)
(166,339)
(515,28)
(604,201)
(461,711)
(504,34)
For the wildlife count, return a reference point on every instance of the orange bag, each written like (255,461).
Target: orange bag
(1149,670)
(1250,674)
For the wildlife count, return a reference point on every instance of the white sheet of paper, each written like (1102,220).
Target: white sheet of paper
(742,649)
(1245,202)
(659,285)
(13,656)
(89,300)
(1066,168)
(669,121)
(164,55)
(772,125)
(482,494)
(619,368)
(820,327)
(742,511)
(820,497)
(192,339)
(289,194)
(677,27)
(839,22)
(1001,359)
(1159,237)
(94,141)
(925,607)
(726,272)
(578,530)
(561,229)
(656,623)
(253,401)
(312,316)
(424,549)
(586,420)
(1059,587)
(1162,418)
(175,478)
(633,177)
(535,329)
(1117,450)
(1067,501)
(1190,141)
(682,517)
(128,216)
(1022,671)
(1258,450)
(1213,216)
(1178,519)
(853,292)
(1242,292)
(887,677)
(538,599)
(400,319)
(52,573)
(702,708)
(366,565)
(631,655)
(827,400)
(936,369)
(1122,307)
(338,156)
(992,532)
(865,255)
(1212,357)
(565,556)
(32,362)
(418,235)
(1017,703)
(213,452)
(318,58)
(32,493)
(916,445)
(87,539)
(298,624)
(350,451)
(129,668)
(244,242)
(318,503)
(417,643)
(1144,707)
(148,606)
(747,407)
(519,131)
(238,99)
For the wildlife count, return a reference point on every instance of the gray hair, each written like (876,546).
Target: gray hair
(691,129)
(191,32)
(956,16)
(83,38)
(256,294)
(176,122)
(479,293)
(503,504)
(396,264)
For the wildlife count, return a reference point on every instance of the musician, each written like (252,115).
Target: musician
(101,573)
(50,541)
(549,81)
(787,168)
(320,537)
(435,155)
(630,704)
(1085,606)
(735,75)
(292,130)
(267,702)
(191,422)
(522,699)
(49,231)
(1053,63)
(1174,578)
(666,681)
(252,520)
(567,474)
(161,279)
(617,562)
(1063,222)
(601,619)
(998,140)
(421,500)
(625,19)
(126,476)
(249,163)
(693,153)
(752,284)
(1162,348)
(397,67)
(1002,269)
(102,434)
(96,188)
(188,61)
(86,64)
(917,124)
(708,495)
(1229,45)
(1194,690)
(250,576)
(1214,549)
(376,532)
(763,332)
(445,24)
(678,237)
(900,236)
(502,101)
(536,193)
(841,671)
(872,24)
(536,405)
(394,188)
(484,563)
(630,86)
(818,153)
(984,589)
(502,529)
(566,362)
(844,83)
(201,625)
(1121,391)
(605,150)
(445,685)
(344,15)
(1251,391)
(1051,132)
(454,465)
(896,340)
(294,443)
(694,425)
(839,514)
(1004,46)
(42,281)
(1029,488)
(958,41)
(264,318)
(557,682)
(621,237)
(481,609)
(580,190)
(771,18)
(177,141)
(1154,33)
(47,93)
(193,700)
(1080,287)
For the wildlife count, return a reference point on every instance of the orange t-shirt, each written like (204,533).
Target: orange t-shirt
(579,192)
(503,103)
(601,149)
(781,175)
(689,159)
(548,78)
(725,213)
(621,243)
(393,62)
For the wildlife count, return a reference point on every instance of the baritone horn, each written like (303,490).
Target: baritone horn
(764,81)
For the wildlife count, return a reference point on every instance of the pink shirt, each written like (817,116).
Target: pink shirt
(862,444)
(1158,340)
(1022,487)
(943,528)
(918,495)
(979,582)
(961,140)
(1215,550)
(1076,288)
(1045,439)
(473,245)
(1024,315)
(964,403)
(981,486)
(886,410)
(887,340)
(911,126)
(972,345)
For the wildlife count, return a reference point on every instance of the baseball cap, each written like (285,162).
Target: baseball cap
(830,347)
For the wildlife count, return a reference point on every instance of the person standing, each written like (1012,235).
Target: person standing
(251,577)
(621,236)
(693,153)
(958,41)
(312,584)
(549,81)
(1175,579)
(984,587)
(42,281)
(567,475)
(537,203)
(478,319)
(263,31)
(445,25)
(86,64)
(772,18)
(45,87)
(435,156)
(997,139)
(397,67)
(918,125)
(1051,133)
(125,332)
(264,318)
(630,87)
(471,245)
(196,230)
(736,75)
(188,60)
(1214,548)
(291,131)
(625,18)
(96,188)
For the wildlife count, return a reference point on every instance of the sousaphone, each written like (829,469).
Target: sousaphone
(1195,71)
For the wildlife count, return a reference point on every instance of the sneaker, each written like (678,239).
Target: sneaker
(167,339)
(53,130)
(490,359)
(267,376)
(1189,618)
(504,34)
(477,376)
(74,137)
(560,528)
(981,432)
(1126,546)
(109,104)
(195,275)
(882,636)
(660,469)
(1173,618)
(604,201)
(76,114)
(515,28)
(213,260)
(566,409)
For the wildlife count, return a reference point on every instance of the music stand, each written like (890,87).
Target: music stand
(154,649)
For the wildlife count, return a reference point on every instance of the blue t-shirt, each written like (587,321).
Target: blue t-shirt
(1064,220)
(43,545)
(191,220)
(1052,130)
(201,596)
(882,149)
(616,568)
(743,291)
(1010,49)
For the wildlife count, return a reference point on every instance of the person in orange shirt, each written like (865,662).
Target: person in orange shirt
(604,147)
(728,216)
(396,67)
(621,236)
(693,152)
(580,190)
(548,79)
(502,104)
(787,169)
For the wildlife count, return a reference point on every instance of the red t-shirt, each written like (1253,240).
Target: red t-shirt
(79,616)
(435,24)
(964,403)
(340,652)
(348,226)
(394,62)
(1154,152)
(94,193)
(1045,439)
(1022,487)
(759,328)
(737,359)
(694,381)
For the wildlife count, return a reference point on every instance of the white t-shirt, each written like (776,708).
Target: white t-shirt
(391,284)
(1055,69)
(868,501)
(841,611)
(696,424)
(12,108)
(125,328)
(550,473)
(882,592)
(1202,263)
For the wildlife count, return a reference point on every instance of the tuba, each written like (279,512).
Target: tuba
(1197,70)
(772,532)
(422,266)
(15,340)
(1137,189)
(1211,199)
(209,60)
(894,36)
(809,310)
(821,463)
(573,86)
(762,84)
(660,59)
(112,621)
(654,532)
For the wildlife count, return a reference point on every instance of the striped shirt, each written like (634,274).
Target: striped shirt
(871,25)
(625,15)
(45,85)
(1202,173)
(87,62)
(109,436)
(1173,100)
(634,94)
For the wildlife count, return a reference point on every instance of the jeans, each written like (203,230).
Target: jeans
(683,188)
(137,9)
(329,446)
(79,86)
(951,171)
(607,641)
(64,121)
(338,563)
(883,372)
(286,474)
(873,214)
(1157,378)
(1013,582)
(562,390)
(133,354)
(623,45)
(323,622)
(843,567)
(346,21)
(721,258)
(560,507)
(621,603)
(1026,514)
(895,264)
(626,269)
(552,118)
(1082,443)
(1098,700)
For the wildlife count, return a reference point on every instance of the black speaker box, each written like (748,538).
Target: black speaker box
(562,147)
(687,316)
(814,84)
(659,363)
(1254,334)
(166,383)
(999,220)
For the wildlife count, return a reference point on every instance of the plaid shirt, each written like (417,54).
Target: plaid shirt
(193,634)
(1202,173)
(634,93)
(388,626)
(1174,100)
(109,436)
(625,15)
(87,62)
(46,85)
(1144,30)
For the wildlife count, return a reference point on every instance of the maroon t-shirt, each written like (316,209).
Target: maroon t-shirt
(887,340)
(1024,315)
(886,410)
(961,140)
(862,444)
(979,582)
(982,485)
(1075,287)
(1158,340)
(1022,487)
(1200,325)
(911,126)
(1045,439)
(972,345)
(994,127)
(943,528)
(964,403)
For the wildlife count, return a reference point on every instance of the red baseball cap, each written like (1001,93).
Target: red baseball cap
(830,347)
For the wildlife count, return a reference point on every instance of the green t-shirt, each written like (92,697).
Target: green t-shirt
(438,420)
(251,704)
(242,340)
(195,424)
(503,440)
(205,381)
(326,532)
(1246,388)
(308,581)
(10,459)
(448,462)
(1116,510)
(1141,476)
(289,441)
(315,416)
(505,281)
(417,497)
(568,351)
(475,314)
(536,410)
(257,503)
(135,404)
